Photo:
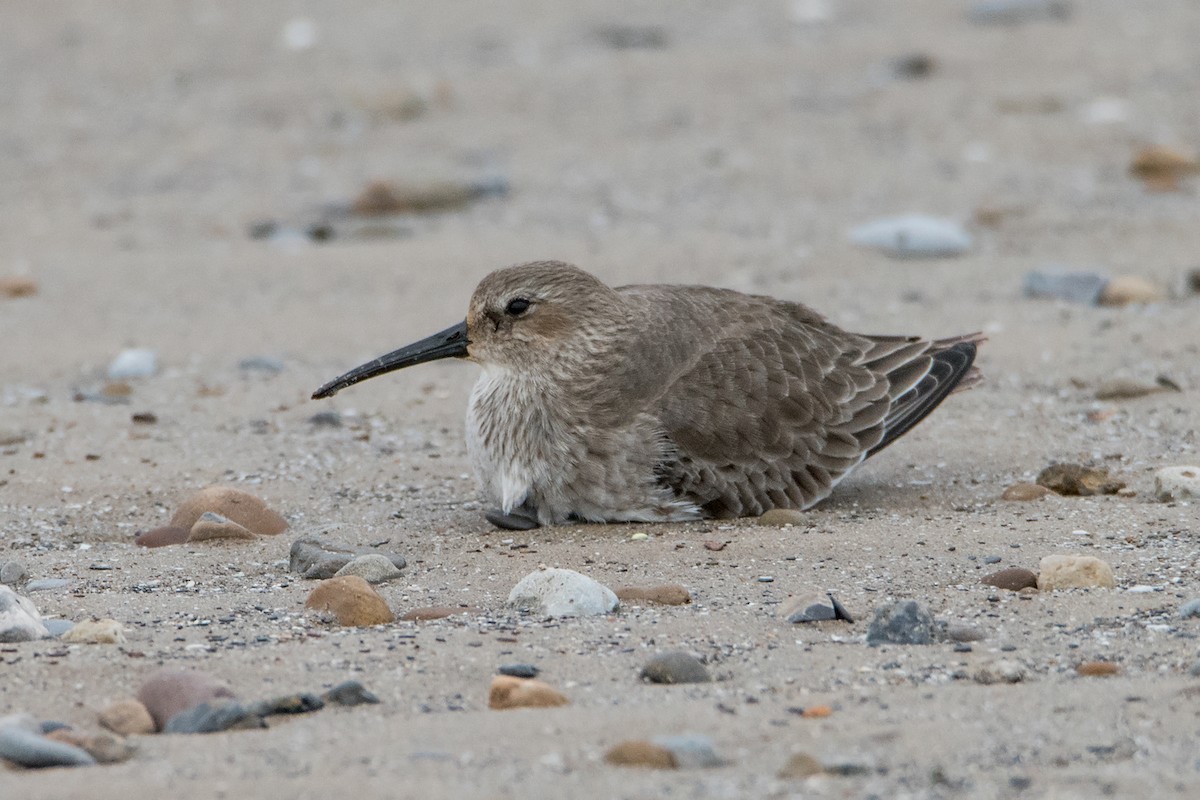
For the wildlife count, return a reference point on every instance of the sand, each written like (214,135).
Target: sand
(141,140)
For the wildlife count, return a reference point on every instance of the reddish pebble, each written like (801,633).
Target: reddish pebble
(160,537)
(671,594)
(1024,492)
(169,691)
(352,602)
(1014,579)
(640,753)
(241,507)
(1098,669)
(509,692)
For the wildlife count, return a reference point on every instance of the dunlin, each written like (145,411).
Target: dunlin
(664,403)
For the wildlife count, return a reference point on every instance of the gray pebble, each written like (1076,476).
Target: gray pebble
(266,364)
(814,607)
(519,670)
(288,704)
(675,667)
(691,751)
(1015,12)
(31,750)
(914,236)
(350,693)
(901,622)
(1190,609)
(992,559)
(1194,670)
(212,718)
(46,584)
(1073,287)
(19,618)
(13,573)
(372,567)
(319,559)
(58,627)
(561,593)
(326,419)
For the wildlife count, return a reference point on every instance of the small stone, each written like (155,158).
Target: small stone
(1098,669)
(914,66)
(17,286)
(13,573)
(1076,480)
(300,703)
(960,632)
(1074,572)
(1001,671)
(429,613)
(1190,609)
(1162,167)
(914,236)
(241,507)
(1024,492)
(58,627)
(350,693)
(268,365)
(1172,484)
(19,618)
(1194,669)
(47,584)
(799,766)
(519,670)
(326,419)
(509,692)
(104,747)
(1016,12)
(561,593)
(381,197)
(670,594)
(1073,287)
(372,567)
(715,547)
(1124,290)
(316,558)
(640,753)
(127,717)
(95,631)
(161,537)
(1192,281)
(214,717)
(675,667)
(133,363)
(901,622)
(1014,579)
(813,607)
(640,536)
(782,517)
(623,36)
(29,749)
(170,691)
(690,751)
(351,601)
(214,526)
(1125,389)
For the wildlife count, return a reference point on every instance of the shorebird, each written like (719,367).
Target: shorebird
(670,403)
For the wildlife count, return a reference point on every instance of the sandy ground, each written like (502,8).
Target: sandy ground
(140,140)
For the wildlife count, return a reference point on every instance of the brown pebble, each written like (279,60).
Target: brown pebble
(801,765)
(1014,579)
(640,753)
(214,526)
(15,286)
(104,747)
(169,691)
(352,601)
(1124,389)
(436,612)
(670,594)
(161,537)
(779,517)
(95,631)
(509,692)
(716,547)
(1077,480)
(1192,281)
(381,197)
(1161,167)
(1125,290)
(1074,572)
(241,507)
(1024,492)
(1098,669)
(127,717)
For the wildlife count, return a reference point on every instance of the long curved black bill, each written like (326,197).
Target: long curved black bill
(450,343)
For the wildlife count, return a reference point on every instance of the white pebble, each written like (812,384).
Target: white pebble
(914,236)
(133,363)
(562,593)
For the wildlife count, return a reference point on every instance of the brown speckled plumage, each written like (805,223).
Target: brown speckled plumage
(674,402)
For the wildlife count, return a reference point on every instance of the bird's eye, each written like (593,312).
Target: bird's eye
(517,306)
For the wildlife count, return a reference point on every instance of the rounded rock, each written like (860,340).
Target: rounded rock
(1014,579)
(104,747)
(1177,483)
(561,593)
(372,567)
(1074,572)
(95,631)
(780,517)
(13,573)
(1190,609)
(352,602)
(32,750)
(675,667)
(161,537)
(214,526)
(901,622)
(1098,669)
(508,692)
(690,751)
(671,594)
(133,363)
(1024,492)
(801,765)
(914,236)
(19,618)
(127,717)
(241,507)
(640,753)
(171,691)
(1126,290)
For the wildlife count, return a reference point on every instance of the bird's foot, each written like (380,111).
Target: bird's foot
(522,518)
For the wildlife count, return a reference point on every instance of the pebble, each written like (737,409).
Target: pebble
(241,507)
(561,593)
(813,607)
(214,717)
(383,197)
(268,365)
(691,751)
(127,717)
(1073,572)
(161,537)
(675,667)
(30,749)
(1192,281)
(1076,480)
(670,594)
(350,693)
(1125,389)
(1085,288)
(1098,669)
(1161,167)
(1177,483)
(428,613)
(104,747)
(17,286)
(13,573)
(314,558)
(1014,579)
(372,567)
(519,670)
(299,703)
(214,526)
(19,618)
(1016,12)
(170,691)
(799,766)
(47,584)
(133,363)
(1124,290)
(781,517)
(509,692)
(640,753)
(961,632)
(1024,492)
(1000,671)
(914,236)
(901,622)
(58,627)
(95,631)
(351,601)
(1190,609)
